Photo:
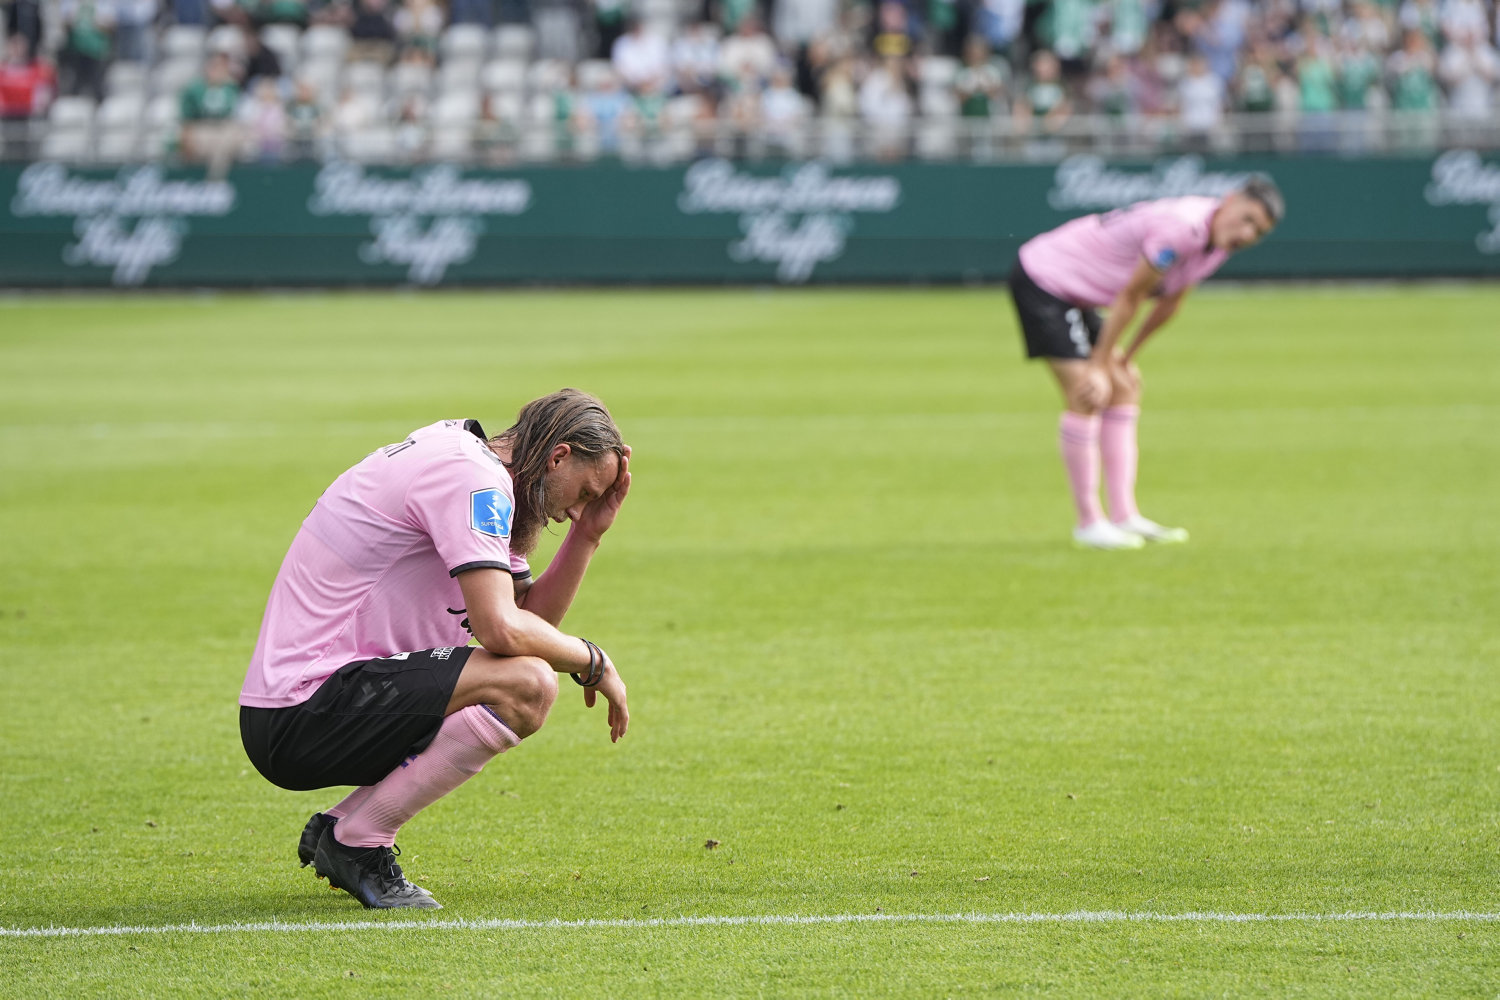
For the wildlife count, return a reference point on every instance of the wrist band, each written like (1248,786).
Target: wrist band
(596,667)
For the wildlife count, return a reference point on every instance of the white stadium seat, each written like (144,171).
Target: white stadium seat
(121,111)
(71,113)
(324,41)
(284,40)
(514,41)
(365,78)
(125,78)
(183,41)
(408,78)
(119,145)
(546,75)
(455,108)
(227,38)
(171,77)
(505,76)
(594,74)
(458,75)
(452,143)
(163,111)
(65,144)
(937,71)
(464,41)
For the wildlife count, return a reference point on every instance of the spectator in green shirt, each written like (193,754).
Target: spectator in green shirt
(87,25)
(210,130)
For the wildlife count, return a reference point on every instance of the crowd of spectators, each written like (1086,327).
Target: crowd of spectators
(611,76)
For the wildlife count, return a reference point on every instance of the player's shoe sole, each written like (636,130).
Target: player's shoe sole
(1106,537)
(1158,534)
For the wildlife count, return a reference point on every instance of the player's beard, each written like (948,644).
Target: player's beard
(526,530)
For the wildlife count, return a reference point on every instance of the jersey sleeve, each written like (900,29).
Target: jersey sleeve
(1168,241)
(467,512)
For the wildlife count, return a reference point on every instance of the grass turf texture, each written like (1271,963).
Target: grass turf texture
(861,654)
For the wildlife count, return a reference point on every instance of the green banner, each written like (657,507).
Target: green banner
(713,221)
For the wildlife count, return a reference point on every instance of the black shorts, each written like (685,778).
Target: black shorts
(359,725)
(1053,328)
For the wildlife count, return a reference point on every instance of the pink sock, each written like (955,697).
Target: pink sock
(465,743)
(1079,437)
(1117,446)
(349,802)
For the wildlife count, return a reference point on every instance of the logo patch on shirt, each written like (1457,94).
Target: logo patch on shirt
(489,513)
(1165,258)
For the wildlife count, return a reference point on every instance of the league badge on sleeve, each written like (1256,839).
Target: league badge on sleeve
(1165,258)
(489,513)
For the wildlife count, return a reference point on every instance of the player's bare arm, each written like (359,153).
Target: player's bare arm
(552,593)
(1142,286)
(1165,308)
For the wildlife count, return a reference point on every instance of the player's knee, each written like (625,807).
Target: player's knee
(534,691)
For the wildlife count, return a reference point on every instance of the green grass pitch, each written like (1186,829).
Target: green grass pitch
(862,655)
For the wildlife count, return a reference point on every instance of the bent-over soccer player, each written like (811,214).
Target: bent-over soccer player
(1151,250)
(363,675)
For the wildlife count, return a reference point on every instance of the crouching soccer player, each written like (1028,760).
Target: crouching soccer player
(363,675)
(1151,250)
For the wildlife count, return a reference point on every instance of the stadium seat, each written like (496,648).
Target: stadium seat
(409,78)
(455,108)
(546,75)
(227,38)
(119,145)
(937,71)
(937,139)
(121,111)
(163,111)
(324,42)
(508,106)
(514,41)
(466,42)
(71,145)
(365,78)
(71,113)
(284,40)
(374,144)
(458,75)
(125,78)
(594,74)
(504,76)
(538,145)
(183,41)
(934,102)
(322,75)
(171,77)
(452,143)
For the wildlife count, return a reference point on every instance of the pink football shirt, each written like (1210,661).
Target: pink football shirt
(373,569)
(1089,260)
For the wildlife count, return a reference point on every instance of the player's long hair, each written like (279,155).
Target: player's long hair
(568,416)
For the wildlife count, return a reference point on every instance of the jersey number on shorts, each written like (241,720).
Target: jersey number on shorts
(1078,330)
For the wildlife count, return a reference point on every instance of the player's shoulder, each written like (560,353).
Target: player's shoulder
(459,442)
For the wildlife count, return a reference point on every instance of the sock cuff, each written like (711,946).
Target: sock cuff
(487,727)
(1122,413)
(1079,419)
(1080,426)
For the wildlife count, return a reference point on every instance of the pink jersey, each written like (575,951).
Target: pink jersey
(373,569)
(1088,261)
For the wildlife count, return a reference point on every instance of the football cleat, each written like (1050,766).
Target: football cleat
(369,874)
(1153,532)
(307,846)
(1103,535)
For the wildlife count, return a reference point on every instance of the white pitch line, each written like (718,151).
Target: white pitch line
(629,923)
